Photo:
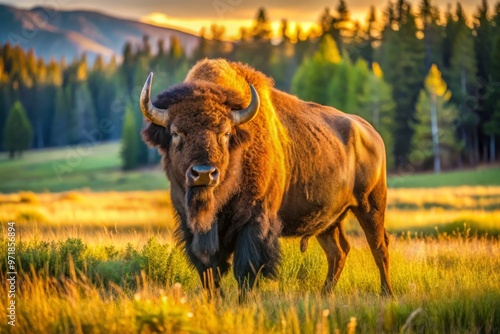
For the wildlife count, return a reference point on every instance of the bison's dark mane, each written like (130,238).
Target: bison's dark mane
(197,91)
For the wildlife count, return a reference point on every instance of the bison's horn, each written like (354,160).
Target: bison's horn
(246,115)
(156,115)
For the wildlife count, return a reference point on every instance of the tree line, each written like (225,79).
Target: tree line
(427,80)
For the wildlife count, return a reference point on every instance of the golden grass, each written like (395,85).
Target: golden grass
(138,208)
(447,197)
(80,213)
(449,282)
(454,282)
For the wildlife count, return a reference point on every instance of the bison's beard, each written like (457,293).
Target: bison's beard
(201,211)
(200,207)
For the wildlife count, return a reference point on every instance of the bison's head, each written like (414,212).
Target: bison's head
(197,126)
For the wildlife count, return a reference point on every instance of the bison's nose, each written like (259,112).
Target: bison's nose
(202,176)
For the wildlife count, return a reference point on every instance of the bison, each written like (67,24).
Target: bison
(248,163)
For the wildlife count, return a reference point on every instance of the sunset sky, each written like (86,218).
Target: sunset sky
(191,15)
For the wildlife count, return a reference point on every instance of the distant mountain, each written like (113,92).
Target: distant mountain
(53,33)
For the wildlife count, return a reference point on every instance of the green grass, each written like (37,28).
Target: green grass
(64,169)
(99,169)
(483,176)
(68,286)
(87,262)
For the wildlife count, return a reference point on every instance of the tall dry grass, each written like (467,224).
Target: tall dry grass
(151,211)
(88,264)
(452,283)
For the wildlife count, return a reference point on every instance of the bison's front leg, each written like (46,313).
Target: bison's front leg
(256,253)
(211,274)
(211,262)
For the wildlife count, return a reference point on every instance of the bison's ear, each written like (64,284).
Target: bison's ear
(156,136)
(240,139)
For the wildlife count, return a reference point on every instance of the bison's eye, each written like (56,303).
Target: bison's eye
(174,134)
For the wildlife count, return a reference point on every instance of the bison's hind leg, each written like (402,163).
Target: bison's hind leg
(336,247)
(371,216)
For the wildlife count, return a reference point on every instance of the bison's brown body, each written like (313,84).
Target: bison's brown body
(295,169)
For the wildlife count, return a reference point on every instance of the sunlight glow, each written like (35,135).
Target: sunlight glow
(232,26)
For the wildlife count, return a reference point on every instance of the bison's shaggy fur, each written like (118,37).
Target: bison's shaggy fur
(294,170)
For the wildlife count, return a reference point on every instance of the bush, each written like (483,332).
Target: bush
(28,197)
(31,216)
(71,196)
(72,248)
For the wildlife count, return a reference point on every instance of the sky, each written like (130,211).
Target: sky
(191,15)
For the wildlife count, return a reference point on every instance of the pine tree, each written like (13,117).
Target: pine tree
(284,30)
(378,107)
(203,48)
(463,83)
(303,47)
(483,42)
(402,60)
(435,135)
(217,46)
(283,62)
(160,47)
(367,46)
(328,25)
(259,50)
(142,71)
(176,53)
(313,76)
(47,102)
(146,47)
(4,96)
(82,118)
(103,86)
(262,27)
(492,125)
(128,67)
(338,85)
(492,128)
(429,16)
(496,19)
(96,82)
(355,86)
(462,73)
(343,25)
(18,132)
(129,149)
(448,37)
(60,123)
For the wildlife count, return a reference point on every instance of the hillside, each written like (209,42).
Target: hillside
(63,169)
(53,33)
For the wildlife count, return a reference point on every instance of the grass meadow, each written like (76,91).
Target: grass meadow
(105,262)
(85,166)
(96,167)
(92,260)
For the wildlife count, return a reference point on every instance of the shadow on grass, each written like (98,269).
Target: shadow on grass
(458,228)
